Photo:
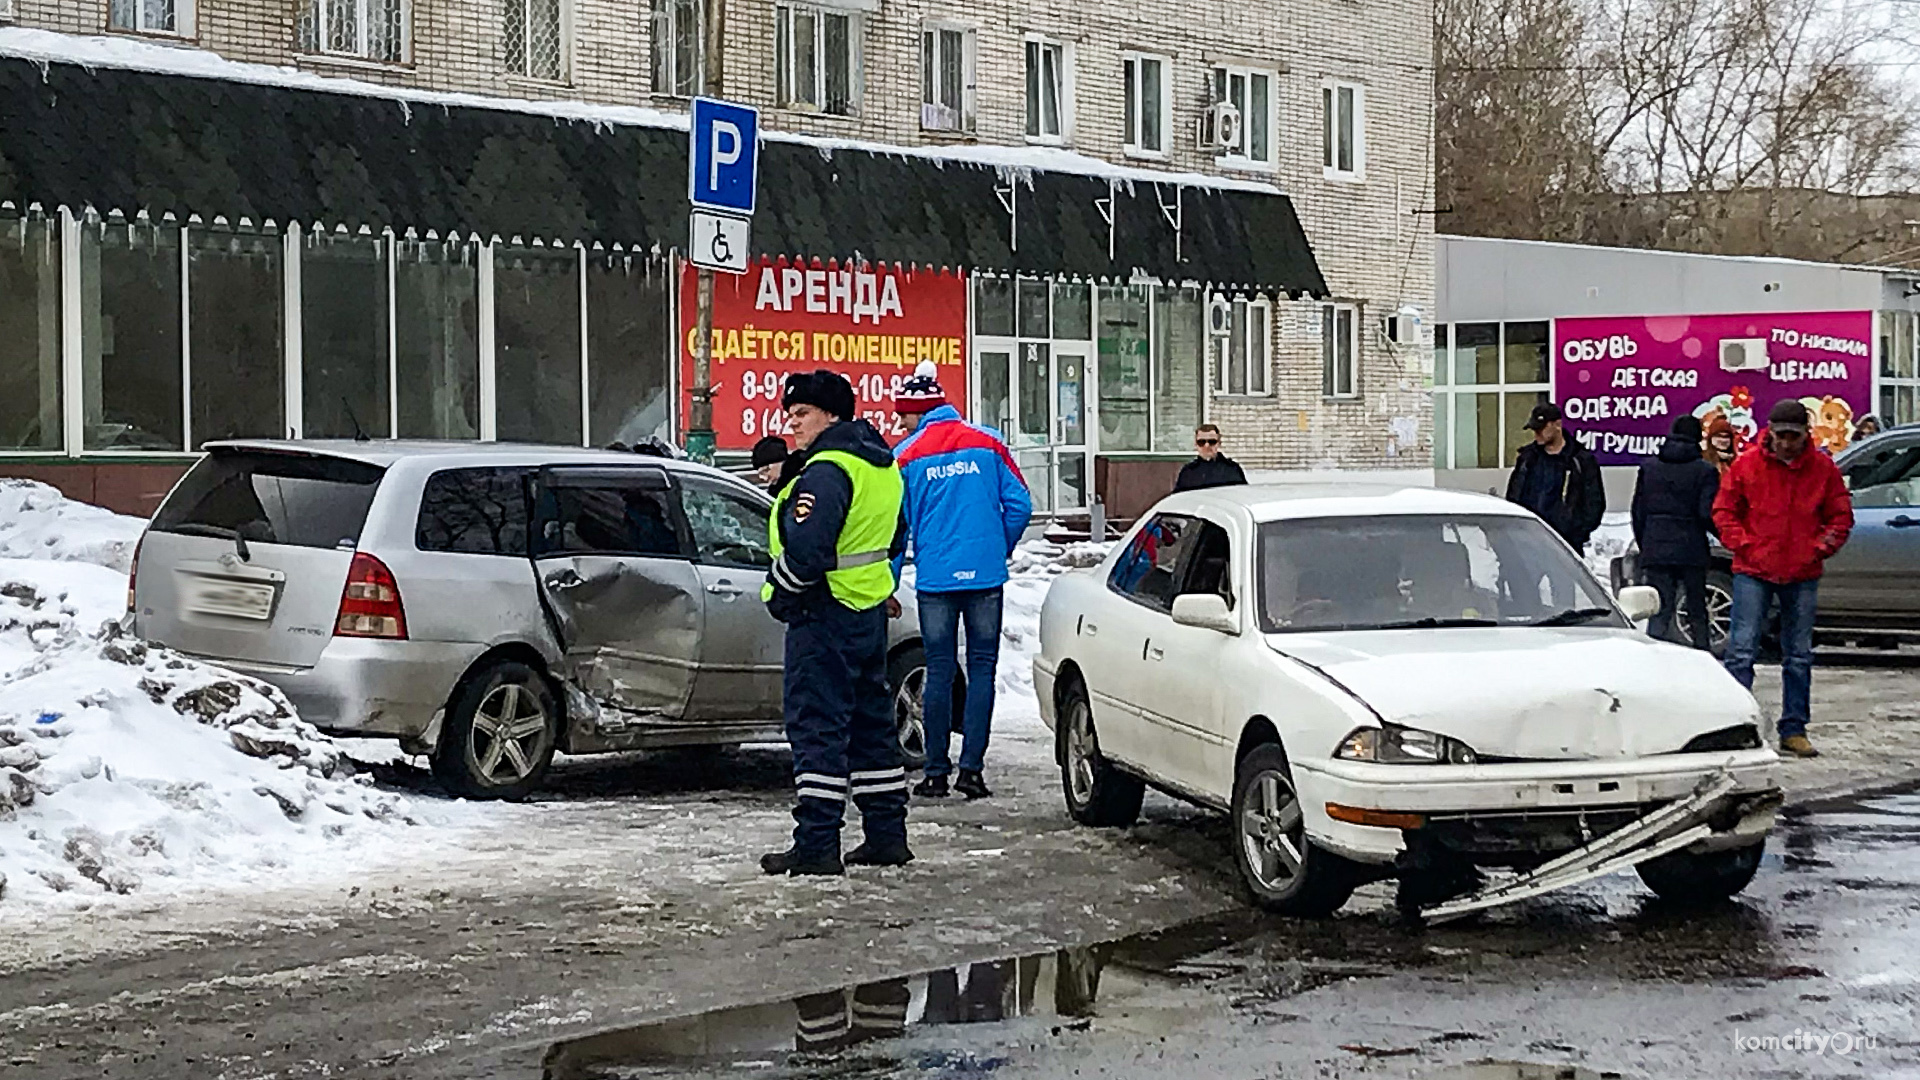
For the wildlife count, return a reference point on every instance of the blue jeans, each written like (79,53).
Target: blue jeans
(1752,600)
(941,614)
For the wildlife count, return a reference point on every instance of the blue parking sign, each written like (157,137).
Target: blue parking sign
(723,156)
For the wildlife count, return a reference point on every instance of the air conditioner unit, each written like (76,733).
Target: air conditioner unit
(1743,354)
(1402,327)
(1219,316)
(1220,127)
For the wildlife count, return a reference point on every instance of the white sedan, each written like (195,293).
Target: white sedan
(1406,683)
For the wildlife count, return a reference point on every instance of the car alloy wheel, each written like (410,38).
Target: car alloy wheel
(910,714)
(507,734)
(1273,832)
(1083,753)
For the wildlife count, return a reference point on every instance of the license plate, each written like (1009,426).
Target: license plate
(231,599)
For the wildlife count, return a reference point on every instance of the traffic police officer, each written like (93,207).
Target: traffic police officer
(834,533)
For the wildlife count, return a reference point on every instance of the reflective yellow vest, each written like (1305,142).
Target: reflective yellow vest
(863,577)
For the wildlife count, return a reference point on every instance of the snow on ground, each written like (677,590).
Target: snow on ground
(124,767)
(37,522)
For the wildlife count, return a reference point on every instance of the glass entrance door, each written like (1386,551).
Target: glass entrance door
(1070,430)
(1032,345)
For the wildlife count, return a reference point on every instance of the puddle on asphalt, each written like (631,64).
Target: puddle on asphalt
(1062,985)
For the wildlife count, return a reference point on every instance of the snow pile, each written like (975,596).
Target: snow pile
(1608,542)
(37,522)
(124,766)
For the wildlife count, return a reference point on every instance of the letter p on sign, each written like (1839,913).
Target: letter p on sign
(723,156)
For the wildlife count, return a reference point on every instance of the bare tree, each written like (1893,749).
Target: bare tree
(1709,125)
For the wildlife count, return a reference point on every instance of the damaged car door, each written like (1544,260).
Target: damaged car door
(623,597)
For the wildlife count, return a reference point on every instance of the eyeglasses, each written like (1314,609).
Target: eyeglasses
(1206,442)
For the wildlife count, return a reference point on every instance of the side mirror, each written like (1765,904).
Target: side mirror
(1639,602)
(1208,611)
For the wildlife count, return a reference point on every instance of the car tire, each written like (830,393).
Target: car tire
(1719,613)
(907,678)
(1282,869)
(1098,794)
(1697,879)
(502,727)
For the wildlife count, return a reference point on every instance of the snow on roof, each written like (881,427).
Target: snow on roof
(47,47)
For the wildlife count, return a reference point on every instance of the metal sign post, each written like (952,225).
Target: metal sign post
(722,175)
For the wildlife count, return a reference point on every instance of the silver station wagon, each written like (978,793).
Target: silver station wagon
(486,604)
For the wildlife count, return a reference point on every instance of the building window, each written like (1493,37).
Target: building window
(1343,131)
(1250,93)
(537,357)
(1049,91)
(30,417)
(536,39)
(436,303)
(1148,105)
(1899,368)
(152,16)
(1241,352)
(816,59)
(678,47)
(1339,350)
(236,301)
(1487,377)
(368,29)
(946,78)
(344,343)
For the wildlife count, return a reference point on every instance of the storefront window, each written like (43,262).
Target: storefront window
(343,336)
(628,345)
(236,296)
(29,334)
(996,390)
(1072,310)
(1125,369)
(1525,347)
(537,344)
(993,307)
(130,336)
(1899,369)
(1485,384)
(1179,367)
(1036,418)
(437,362)
(1035,321)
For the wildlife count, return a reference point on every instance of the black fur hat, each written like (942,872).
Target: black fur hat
(823,389)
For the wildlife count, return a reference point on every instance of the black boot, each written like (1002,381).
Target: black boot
(871,854)
(933,787)
(971,784)
(793,863)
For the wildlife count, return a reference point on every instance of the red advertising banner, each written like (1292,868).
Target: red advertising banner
(872,324)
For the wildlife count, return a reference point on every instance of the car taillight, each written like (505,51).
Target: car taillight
(133,572)
(370,605)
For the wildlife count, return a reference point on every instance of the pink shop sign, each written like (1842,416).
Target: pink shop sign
(1622,381)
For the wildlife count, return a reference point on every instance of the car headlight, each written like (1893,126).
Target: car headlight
(1392,744)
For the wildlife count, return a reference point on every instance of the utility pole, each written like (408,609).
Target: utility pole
(700,424)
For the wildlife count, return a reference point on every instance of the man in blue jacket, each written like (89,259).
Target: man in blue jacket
(966,506)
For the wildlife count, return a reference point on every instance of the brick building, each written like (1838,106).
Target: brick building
(458,219)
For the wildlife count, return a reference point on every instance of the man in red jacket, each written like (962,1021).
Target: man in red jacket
(1783,511)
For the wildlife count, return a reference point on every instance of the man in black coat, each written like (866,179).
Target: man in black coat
(1212,468)
(1558,479)
(1672,519)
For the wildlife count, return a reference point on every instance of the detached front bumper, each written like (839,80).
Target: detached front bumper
(1532,809)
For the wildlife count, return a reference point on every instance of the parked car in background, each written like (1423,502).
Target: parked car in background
(486,604)
(1380,683)
(1870,594)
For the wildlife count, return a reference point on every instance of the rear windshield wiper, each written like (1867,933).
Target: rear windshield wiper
(1431,623)
(218,533)
(1574,616)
